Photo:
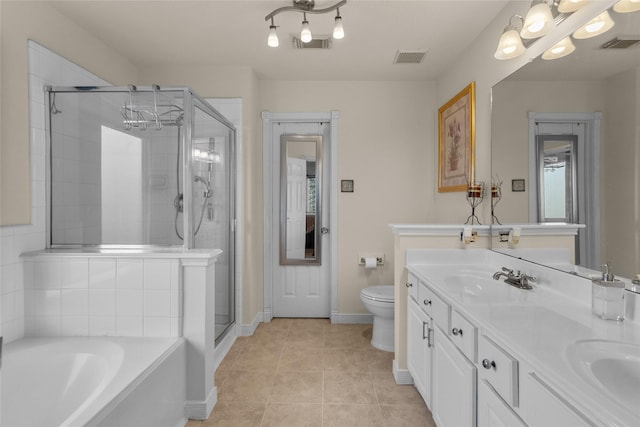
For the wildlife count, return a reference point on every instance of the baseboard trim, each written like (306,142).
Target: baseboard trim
(248,330)
(351,318)
(197,410)
(402,376)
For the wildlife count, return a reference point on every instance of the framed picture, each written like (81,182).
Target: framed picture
(456,141)
(517,185)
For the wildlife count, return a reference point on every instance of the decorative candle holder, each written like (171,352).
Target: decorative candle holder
(496,196)
(475,195)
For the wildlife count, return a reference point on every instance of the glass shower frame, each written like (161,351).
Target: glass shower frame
(191,102)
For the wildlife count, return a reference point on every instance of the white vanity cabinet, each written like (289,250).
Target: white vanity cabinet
(419,348)
(454,385)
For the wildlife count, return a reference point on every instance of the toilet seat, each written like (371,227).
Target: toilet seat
(382,293)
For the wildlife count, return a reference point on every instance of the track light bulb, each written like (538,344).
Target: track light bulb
(272,40)
(305,34)
(338,29)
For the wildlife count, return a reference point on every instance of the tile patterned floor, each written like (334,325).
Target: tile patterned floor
(308,372)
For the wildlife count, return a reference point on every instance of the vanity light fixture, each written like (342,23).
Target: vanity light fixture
(568,6)
(598,25)
(563,48)
(627,6)
(539,20)
(304,7)
(510,44)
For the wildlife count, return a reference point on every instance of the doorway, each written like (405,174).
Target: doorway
(571,142)
(302,285)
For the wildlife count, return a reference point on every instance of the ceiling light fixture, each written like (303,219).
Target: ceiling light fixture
(510,44)
(304,7)
(563,48)
(539,20)
(626,6)
(568,6)
(598,25)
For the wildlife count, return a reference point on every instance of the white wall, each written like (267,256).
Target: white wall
(383,146)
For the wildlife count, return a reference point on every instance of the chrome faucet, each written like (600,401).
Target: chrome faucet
(518,280)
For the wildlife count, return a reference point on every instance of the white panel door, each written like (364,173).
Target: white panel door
(304,290)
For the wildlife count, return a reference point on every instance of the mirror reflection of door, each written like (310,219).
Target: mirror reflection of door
(300,199)
(557,178)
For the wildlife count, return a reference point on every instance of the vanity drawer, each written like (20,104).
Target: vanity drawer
(434,306)
(412,285)
(499,368)
(464,335)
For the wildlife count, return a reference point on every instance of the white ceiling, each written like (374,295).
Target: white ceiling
(217,32)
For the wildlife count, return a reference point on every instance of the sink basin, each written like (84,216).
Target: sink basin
(611,366)
(477,288)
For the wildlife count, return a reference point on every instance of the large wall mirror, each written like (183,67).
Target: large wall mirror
(572,126)
(300,199)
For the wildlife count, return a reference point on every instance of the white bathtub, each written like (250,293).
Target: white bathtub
(93,382)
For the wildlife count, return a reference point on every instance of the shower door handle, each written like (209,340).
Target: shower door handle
(324,230)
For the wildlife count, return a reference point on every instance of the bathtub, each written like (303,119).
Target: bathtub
(93,381)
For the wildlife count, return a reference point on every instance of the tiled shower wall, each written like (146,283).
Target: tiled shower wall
(45,68)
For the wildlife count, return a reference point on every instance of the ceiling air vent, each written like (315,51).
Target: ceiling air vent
(621,42)
(409,57)
(318,42)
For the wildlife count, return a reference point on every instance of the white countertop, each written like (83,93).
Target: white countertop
(537,326)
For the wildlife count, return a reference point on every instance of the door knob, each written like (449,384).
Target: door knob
(487,364)
(324,230)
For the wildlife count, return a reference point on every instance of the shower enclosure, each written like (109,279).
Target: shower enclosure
(143,167)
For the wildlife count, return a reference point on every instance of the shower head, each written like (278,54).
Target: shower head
(198,178)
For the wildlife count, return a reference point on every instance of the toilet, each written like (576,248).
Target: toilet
(379,301)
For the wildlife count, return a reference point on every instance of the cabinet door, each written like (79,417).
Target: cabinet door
(493,411)
(454,385)
(419,349)
(543,406)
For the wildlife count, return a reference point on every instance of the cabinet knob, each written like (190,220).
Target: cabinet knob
(408,285)
(488,364)
(456,331)
(427,302)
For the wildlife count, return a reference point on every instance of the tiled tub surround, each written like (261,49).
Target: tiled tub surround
(84,295)
(538,326)
(134,293)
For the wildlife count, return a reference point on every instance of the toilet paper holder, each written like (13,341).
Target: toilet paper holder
(379,259)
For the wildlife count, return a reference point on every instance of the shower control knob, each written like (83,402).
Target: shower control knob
(456,331)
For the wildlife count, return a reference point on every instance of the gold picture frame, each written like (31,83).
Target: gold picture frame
(456,141)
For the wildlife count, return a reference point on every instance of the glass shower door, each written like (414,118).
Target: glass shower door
(214,206)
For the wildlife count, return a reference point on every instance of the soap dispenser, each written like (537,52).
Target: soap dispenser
(607,296)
